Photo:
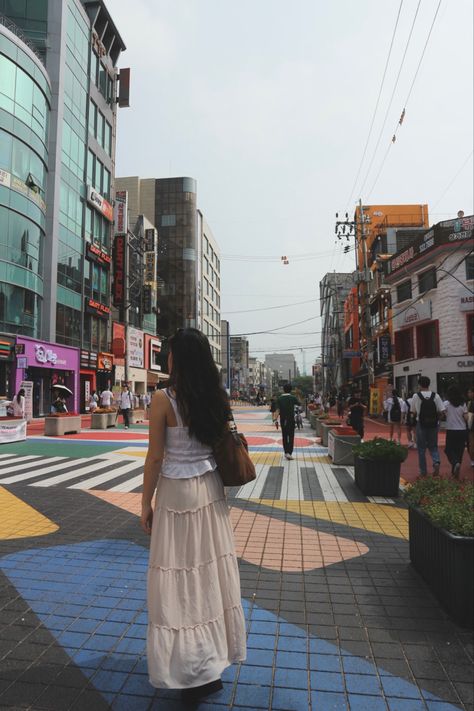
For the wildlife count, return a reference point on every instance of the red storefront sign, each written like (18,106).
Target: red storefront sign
(97,309)
(118,289)
(96,254)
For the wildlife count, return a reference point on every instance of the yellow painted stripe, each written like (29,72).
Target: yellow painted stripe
(20,520)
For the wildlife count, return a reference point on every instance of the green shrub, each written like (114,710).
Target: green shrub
(448,503)
(381,450)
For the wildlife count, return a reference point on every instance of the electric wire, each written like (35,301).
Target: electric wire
(466,160)
(400,121)
(391,98)
(369,135)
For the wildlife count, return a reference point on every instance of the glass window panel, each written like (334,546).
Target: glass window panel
(6,147)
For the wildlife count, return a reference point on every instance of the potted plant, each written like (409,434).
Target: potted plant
(377,466)
(441,530)
(102,417)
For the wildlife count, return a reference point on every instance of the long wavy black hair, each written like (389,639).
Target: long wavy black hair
(202,402)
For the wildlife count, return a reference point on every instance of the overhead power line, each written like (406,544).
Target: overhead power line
(465,161)
(269,308)
(374,153)
(376,105)
(402,115)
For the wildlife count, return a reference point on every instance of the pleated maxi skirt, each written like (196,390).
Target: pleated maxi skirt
(196,625)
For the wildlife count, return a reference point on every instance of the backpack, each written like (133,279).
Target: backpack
(410,416)
(395,411)
(428,416)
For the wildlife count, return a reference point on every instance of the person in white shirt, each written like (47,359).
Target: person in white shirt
(126,405)
(395,408)
(456,432)
(18,405)
(93,401)
(428,408)
(410,422)
(106,397)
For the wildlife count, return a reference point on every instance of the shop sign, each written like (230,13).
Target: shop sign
(465,364)
(88,360)
(150,240)
(147,299)
(45,355)
(135,347)
(121,213)
(6,348)
(22,362)
(93,360)
(5,178)
(12,431)
(374,404)
(98,255)
(105,362)
(27,386)
(97,309)
(118,289)
(155,348)
(100,203)
(150,268)
(466,302)
(84,359)
(19,349)
(412,315)
(351,354)
(385,349)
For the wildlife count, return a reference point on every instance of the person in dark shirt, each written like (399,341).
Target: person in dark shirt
(357,410)
(286,407)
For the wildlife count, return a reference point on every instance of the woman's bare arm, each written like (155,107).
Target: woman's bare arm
(154,457)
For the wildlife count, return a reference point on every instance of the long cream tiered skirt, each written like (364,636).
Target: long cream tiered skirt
(196,625)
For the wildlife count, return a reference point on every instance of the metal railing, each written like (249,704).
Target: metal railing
(10,25)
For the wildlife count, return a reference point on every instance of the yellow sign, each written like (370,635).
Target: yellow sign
(374,406)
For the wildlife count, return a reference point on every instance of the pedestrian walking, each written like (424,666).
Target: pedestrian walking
(93,401)
(298,417)
(286,404)
(428,408)
(196,625)
(274,411)
(470,423)
(340,404)
(126,405)
(18,405)
(395,408)
(456,432)
(356,413)
(106,397)
(410,422)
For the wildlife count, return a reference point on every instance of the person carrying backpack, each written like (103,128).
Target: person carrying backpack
(429,409)
(395,408)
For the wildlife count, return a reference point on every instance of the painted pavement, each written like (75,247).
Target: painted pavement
(337,619)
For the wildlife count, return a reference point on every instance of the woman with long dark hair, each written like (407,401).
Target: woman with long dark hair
(456,432)
(196,626)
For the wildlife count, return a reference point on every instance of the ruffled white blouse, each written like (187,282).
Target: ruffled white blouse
(185,456)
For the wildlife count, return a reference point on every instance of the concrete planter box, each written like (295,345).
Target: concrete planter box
(377,477)
(57,426)
(340,446)
(325,429)
(99,420)
(318,423)
(137,416)
(445,561)
(111,419)
(312,420)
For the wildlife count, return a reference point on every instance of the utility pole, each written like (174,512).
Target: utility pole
(366,281)
(126,301)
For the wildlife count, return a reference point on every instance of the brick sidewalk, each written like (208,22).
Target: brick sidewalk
(337,618)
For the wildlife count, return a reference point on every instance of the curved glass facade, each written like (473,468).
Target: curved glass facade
(24,117)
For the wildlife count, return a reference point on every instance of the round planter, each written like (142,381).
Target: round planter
(377,477)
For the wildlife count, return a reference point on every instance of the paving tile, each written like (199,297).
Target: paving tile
(358,702)
(291,660)
(362,684)
(133,703)
(293,699)
(291,678)
(405,705)
(400,688)
(252,695)
(136,685)
(326,681)
(328,701)
(325,662)
(252,675)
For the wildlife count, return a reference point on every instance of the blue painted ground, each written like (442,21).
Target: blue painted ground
(91,597)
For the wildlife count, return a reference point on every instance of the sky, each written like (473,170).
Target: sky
(269,105)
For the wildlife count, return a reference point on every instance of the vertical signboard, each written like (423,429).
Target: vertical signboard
(135,347)
(118,289)
(121,212)
(27,386)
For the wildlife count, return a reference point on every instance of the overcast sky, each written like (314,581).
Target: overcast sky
(268,105)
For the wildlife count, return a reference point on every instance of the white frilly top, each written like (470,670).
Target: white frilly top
(185,456)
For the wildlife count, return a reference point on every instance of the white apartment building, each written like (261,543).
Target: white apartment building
(209,288)
(432,284)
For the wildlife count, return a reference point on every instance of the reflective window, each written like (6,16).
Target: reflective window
(22,97)
(21,241)
(68,325)
(19,310)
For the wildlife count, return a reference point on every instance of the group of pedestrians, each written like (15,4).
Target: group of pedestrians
(125,401)
(423,412)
